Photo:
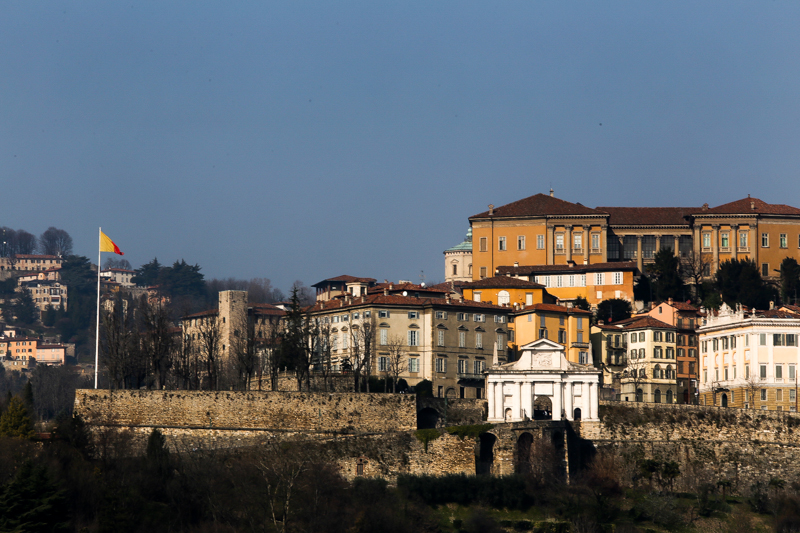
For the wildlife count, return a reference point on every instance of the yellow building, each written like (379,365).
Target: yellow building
(508,291)
(748,359)
(594,282)
(544,230)
(568,326)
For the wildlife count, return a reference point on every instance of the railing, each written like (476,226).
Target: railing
(469,375)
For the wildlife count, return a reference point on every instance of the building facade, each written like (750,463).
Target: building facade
(567,326)
(458,260)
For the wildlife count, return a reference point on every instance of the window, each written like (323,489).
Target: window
(765,269)
(520,242)
(641,336)
(580,322)
(670,352)
(765,240)
(501,341)
(595,241)
(413,364)
(617,278)
(577,239)
(560,241)
(706,240)
(483,272)
(441,315)
(657,336)
(562,336)
(479,340)
(561,321)
(501,244)
(762,339)
(784,241)
(384,337)
(542,333)
(791,339)
(463,366)
(462,339)
(483,244)
(383,314)
(743,239)
(383,364)
(764,395)
(779,395)
(792,395)
(463,317)
(670,336)
(345,318)
(540,242)
(440,337)
(441,364)
(413,338)
(777,340)
(791,372)
(724,242)
(598,278)
(413,314)
(657,352)
(763,371)
(478,366)
(583,358)
(503,298)
(480,318)
(455,270)
(724,343)
(345,341)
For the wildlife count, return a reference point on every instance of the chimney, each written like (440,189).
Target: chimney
(491,209)
(391,286)
(551,193)
(322,305)
(385,291)
(669,301)
(600,323)
(705,206)
(771,305)
(516,264)
(752,205)
(447,297)
(363,299)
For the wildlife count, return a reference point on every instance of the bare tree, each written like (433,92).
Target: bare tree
(111,262)
(695,268)
(55,241)
(322,358)
(244,348)
(362,350)
(752,384)
(635,373)
(156,338)
(22,242)
(270,360)
(209,341)
(118,340)
(397,359)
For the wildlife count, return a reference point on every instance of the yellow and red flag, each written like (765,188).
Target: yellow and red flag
(107,245)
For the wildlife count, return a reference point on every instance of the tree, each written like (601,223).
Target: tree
(635,373)
(244,348)
(148,275)
(298,340)
(55,241)
(25,308)
(397,359)
(665,271)
(119,341)
(322,360)
(155,338)
(304,294)
(15,421)
(739,281)
(112,262)
(790,280)
(209,341)
(22,242)
(613,310)
(582,303)
(77,322)
(362,351)
(695,268)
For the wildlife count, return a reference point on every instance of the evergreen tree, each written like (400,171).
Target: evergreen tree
(31,502)
(665,272)
(49,316)
(790,280)
(148,274)
(613,310)
(25,308)
(15,421)
(740,282)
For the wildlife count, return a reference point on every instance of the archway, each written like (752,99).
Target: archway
(450,393)
(724,400)
(670,397)
(542,408)
(507,414)
(576,414)
(427,418)
(503,298)
(639,395)
(686,396)
(657,396)
(524,445)
(485,457)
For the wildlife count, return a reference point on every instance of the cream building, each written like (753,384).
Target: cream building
(749,359)
(458,260)
(542,384)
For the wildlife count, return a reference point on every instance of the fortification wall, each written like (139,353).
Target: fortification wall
(249,411)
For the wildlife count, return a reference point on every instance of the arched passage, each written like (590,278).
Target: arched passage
(724,400)
(576,414)
(542,408)
(427,418)
(485,457)
(524,448)
(639,395)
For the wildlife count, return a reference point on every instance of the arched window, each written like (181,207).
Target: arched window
(670,397)
(657,396)
(657,372)
(642,373)
(503,298)
(670,375)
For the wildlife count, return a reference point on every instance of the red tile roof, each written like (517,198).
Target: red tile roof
(749,206)
(501,282)
(637,322)
(373,300)
(344,278)
(409,287)
(539,205)
(648,216)
(554,308)
(527,270)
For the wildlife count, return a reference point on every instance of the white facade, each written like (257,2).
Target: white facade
(542,376)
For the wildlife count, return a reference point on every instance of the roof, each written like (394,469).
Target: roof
(748,206)
(373,300)
(36,256)
(539,205)
(648,216)
(791,308)
(637,322)
(527,270)
(680,306)
(409,287)
(501,282)
(465,246)
(257,309)
(345,279)
(554,309)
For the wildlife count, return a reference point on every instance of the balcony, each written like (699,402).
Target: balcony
(580,345)
(469,375)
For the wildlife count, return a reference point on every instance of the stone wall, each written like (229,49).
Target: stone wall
(249,411)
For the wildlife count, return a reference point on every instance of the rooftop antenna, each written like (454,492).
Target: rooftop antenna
(422,277)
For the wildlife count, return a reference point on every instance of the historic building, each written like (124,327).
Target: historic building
(567,326)
(458,260)
(542,384)
(749,358)
(505,290)
(444,340)
(544,230)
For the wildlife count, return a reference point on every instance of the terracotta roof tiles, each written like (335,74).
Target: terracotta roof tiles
(539,205)
(749,206)
(527,270)
(500,282)
(648,216)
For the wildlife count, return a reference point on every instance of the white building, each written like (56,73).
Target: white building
(542,384)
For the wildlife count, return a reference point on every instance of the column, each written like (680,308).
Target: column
(556,400)
(586,409)
(568,243)
(604,243)
(639,263)
(527,399)
(697,242)
(498,400)
(677,244)
(658,243)
(587,244)
(734,240)
(551,243)
(518,402)
(715,246)
(593,399)
(568,399)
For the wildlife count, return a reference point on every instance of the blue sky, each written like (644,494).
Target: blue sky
(303,140)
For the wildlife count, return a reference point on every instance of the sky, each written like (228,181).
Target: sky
(305,140)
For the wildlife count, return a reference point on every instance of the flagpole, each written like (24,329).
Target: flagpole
(97,330)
